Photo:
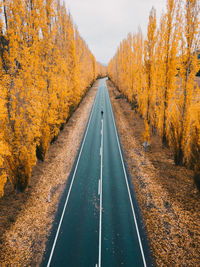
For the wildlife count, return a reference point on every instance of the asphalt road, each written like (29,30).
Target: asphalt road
(98,222)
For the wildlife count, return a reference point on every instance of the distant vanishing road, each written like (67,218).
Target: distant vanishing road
(98,222)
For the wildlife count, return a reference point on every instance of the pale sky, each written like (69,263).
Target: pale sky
(103,24)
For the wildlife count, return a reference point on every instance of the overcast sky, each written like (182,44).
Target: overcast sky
(104,23)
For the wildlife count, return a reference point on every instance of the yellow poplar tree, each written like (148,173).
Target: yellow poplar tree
(189,66)
(171,41)
(149,63)
(138,71)
(22,120)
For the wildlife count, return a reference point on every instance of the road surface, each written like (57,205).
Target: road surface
(98,222)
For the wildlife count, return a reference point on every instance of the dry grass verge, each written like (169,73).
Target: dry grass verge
(26,219)
(168,198)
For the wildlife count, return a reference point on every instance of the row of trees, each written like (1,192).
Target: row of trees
(45,70)
(158,76)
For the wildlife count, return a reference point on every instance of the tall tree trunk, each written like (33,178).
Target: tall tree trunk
(164,135)
(5,14)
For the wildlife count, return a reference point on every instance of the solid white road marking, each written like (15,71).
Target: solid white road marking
(99,184)
(100,208)
(131,202)
(66,201)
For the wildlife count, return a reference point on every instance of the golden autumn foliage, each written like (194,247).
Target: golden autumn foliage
(101,70)
(149,56)
(158,76)
(45,70)
(146,133)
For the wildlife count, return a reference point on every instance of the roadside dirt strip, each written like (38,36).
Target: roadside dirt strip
(26,219)
(169,200)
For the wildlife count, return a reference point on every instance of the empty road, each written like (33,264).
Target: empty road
(98,222)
